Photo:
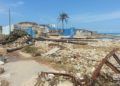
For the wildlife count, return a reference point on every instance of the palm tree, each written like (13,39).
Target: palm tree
(63,18)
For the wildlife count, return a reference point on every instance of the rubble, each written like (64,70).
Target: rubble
(3,51)
(51,51)
(81,60)
(2,70)
(91,78)
(4,83)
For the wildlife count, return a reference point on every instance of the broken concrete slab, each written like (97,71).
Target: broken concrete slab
(54,50)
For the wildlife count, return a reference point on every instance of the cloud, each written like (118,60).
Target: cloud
(96,18)
(19,3)
(4,7)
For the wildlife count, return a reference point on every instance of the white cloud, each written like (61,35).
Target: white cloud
(4,7)
(16,4)
(96,18)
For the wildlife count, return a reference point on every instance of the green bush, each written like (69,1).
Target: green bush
(30,49)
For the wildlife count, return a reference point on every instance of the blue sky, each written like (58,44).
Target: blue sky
(97,15)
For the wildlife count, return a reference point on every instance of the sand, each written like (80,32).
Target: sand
(19,72)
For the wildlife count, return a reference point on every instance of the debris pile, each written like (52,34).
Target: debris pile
(80,61)
(4,83)
(18,43)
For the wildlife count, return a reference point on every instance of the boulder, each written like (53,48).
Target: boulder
(3,51)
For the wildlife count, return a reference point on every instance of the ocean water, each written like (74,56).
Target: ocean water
(114,34)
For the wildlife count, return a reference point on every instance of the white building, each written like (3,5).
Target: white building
(6,29)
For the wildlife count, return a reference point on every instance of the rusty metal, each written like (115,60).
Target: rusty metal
(116,58)
(84,82)
(76,81)
(96,73)
(72,41)
(112,67)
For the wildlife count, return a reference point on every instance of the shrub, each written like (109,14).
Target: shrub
(30,49)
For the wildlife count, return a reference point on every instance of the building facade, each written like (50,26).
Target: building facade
(83,33)
(6,29)
(38,29)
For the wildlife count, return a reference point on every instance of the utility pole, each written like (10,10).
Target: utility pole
(9,20)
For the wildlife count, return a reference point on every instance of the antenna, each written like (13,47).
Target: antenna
(9,20)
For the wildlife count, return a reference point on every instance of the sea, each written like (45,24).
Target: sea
(114,34)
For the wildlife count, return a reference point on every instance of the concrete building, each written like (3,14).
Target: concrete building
(6,29)
(82,33)
(39,29)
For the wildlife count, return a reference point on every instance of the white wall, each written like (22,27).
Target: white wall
(6,29)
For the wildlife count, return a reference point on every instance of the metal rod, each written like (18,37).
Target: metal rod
(77,82)
(97,70)
(10,20)
(116,58)
(112,67)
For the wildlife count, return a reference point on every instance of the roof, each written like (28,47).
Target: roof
(33,23)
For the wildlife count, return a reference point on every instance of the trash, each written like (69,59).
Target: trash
(2,63)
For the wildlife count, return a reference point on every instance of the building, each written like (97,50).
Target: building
(38,29)
(6,29)
(66,32)
(83,33)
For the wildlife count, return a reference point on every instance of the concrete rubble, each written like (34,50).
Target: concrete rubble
(18,43)
(79,60)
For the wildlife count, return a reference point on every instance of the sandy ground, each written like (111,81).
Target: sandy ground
(19,72)
(24,72)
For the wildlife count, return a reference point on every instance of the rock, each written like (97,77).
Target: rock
(2,63)
(4,83)
(2,70)
(3,51)
(54,50)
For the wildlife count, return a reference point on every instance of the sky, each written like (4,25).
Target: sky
(98,15)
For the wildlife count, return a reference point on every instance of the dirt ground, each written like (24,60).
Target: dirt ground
(20,72)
